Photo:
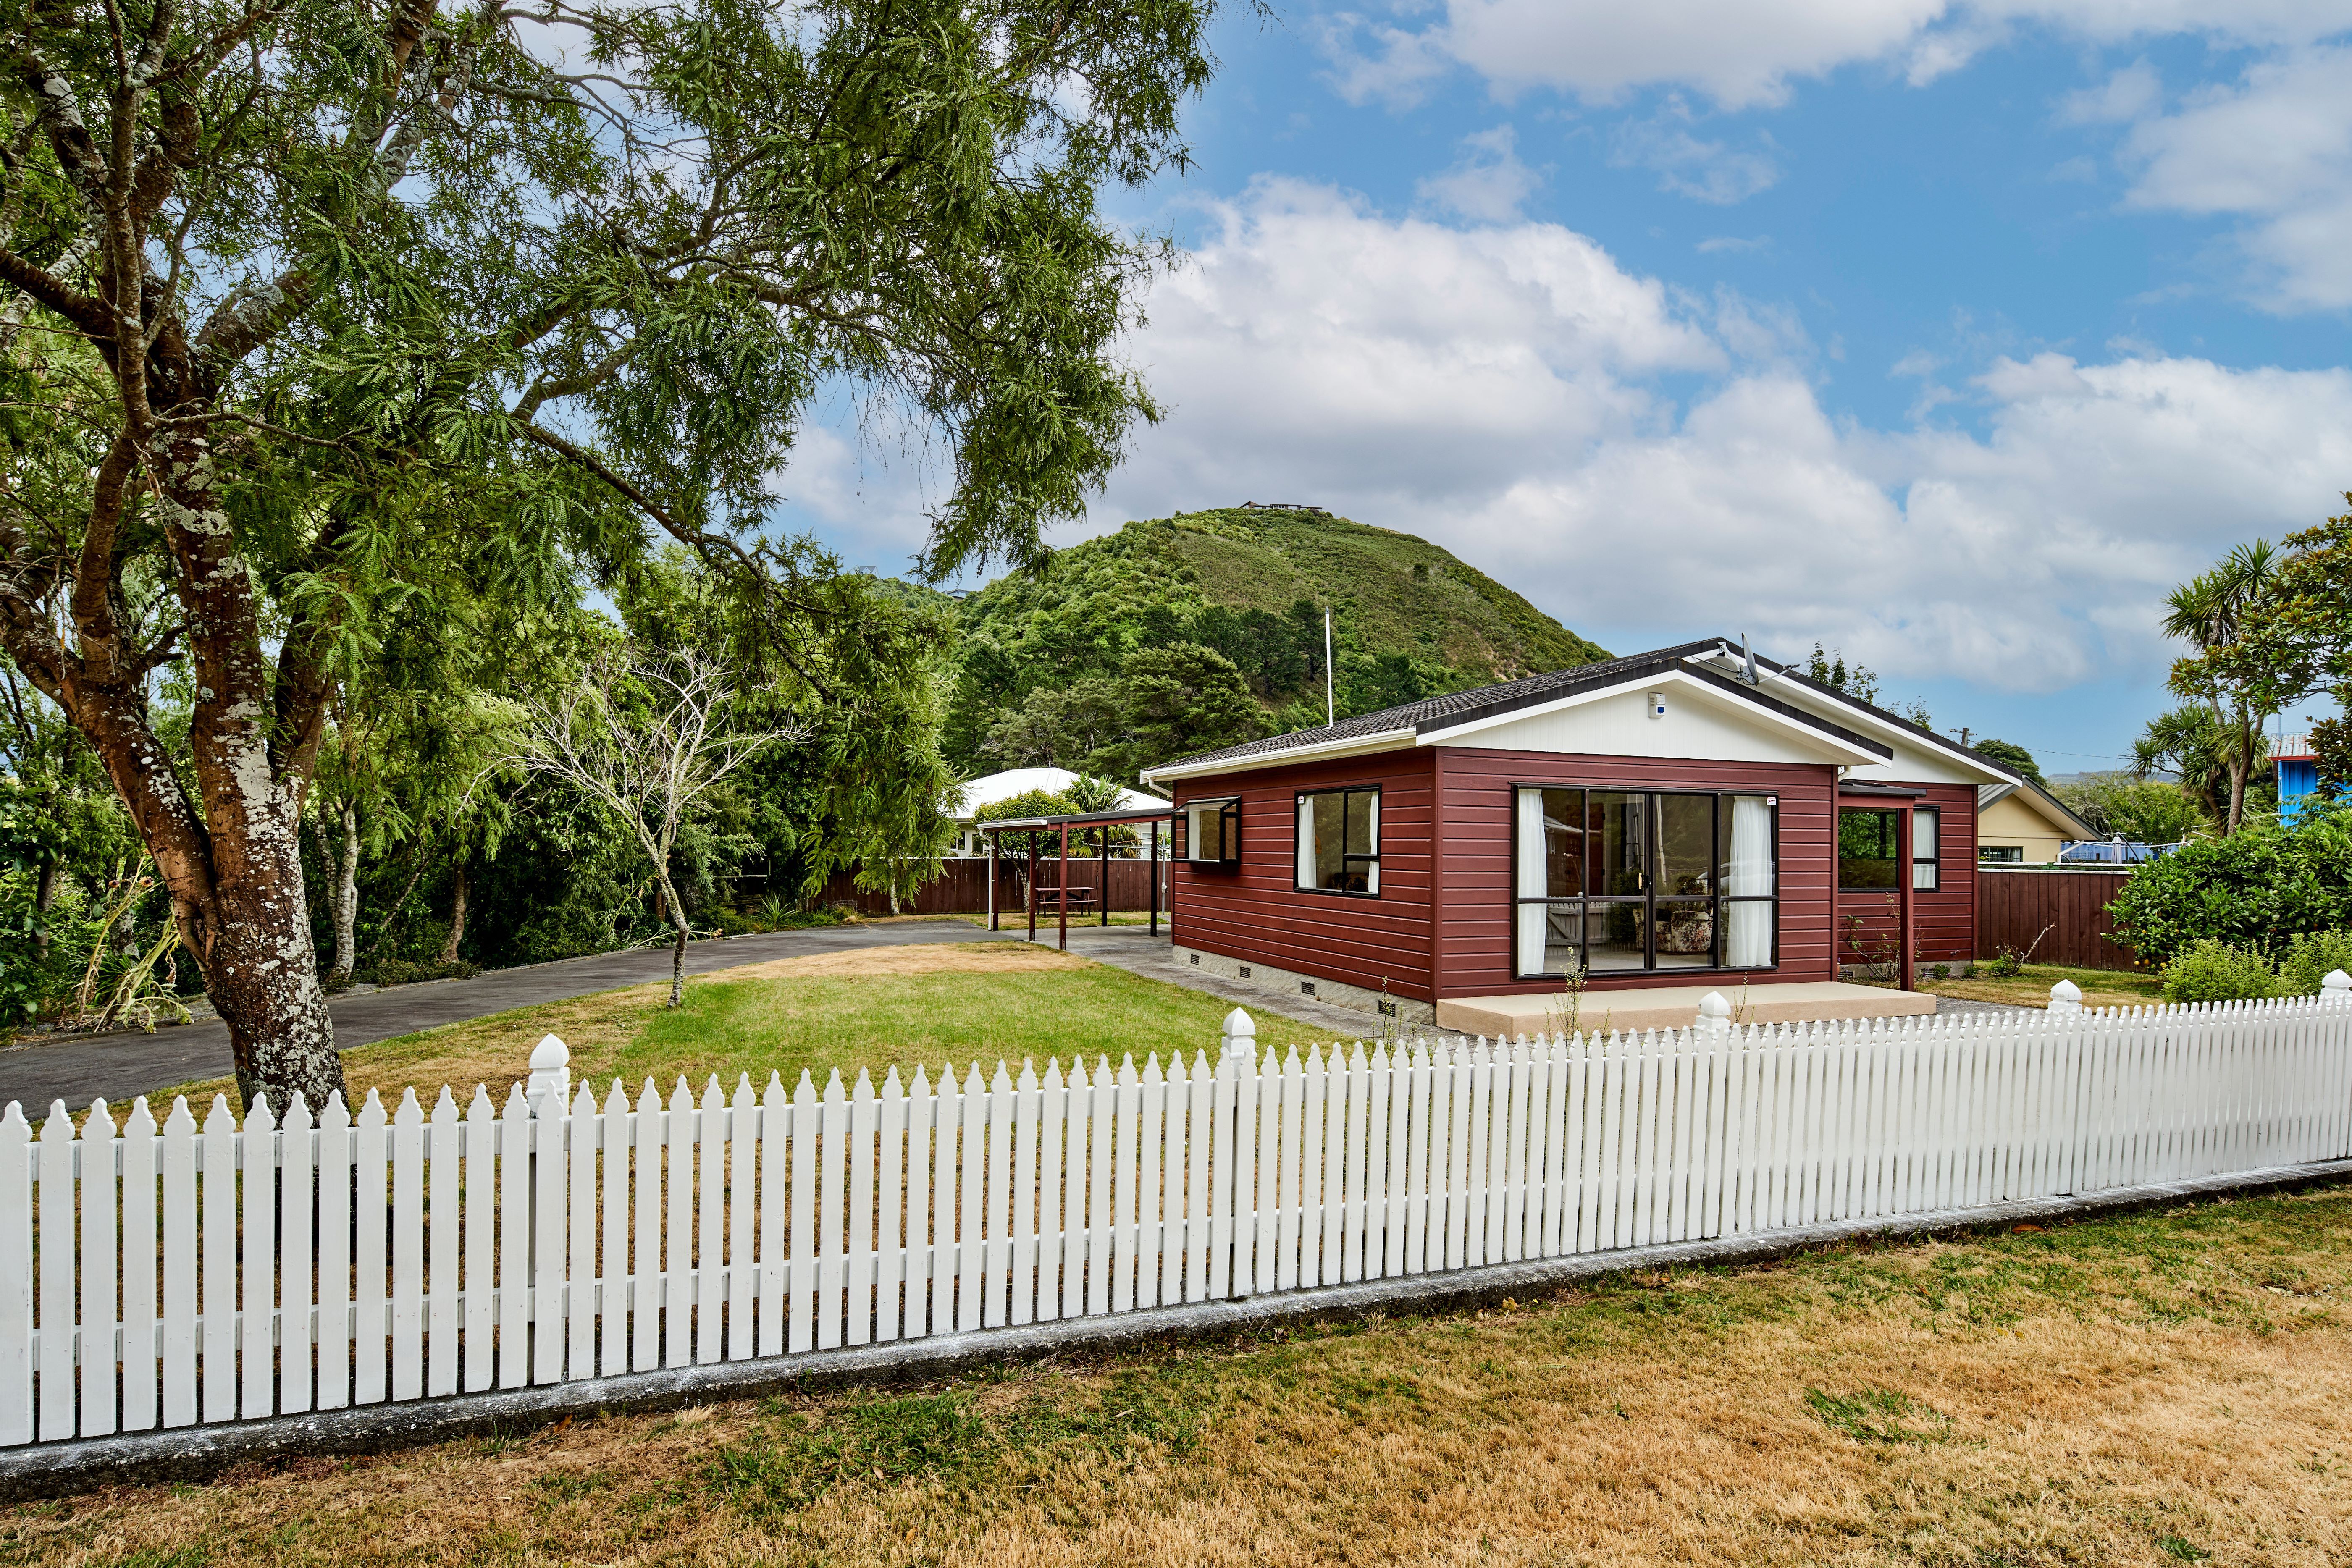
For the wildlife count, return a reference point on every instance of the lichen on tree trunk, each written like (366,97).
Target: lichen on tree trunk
(346,905)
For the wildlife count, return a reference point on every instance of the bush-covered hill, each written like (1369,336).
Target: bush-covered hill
(1205,628)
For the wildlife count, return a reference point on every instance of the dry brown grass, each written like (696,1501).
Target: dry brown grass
(2146,1390)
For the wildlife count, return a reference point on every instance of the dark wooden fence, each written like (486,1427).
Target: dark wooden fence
(962,887)
(2013,908)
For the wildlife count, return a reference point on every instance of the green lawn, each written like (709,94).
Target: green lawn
(2031,986)
(960,1003)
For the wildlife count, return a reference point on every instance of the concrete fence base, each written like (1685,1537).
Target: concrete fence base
(192,1453)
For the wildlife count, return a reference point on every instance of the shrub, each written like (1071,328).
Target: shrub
(2216,972)
(406,971)
(2257,889)
(2310,957)
(2006,966)
(728,923)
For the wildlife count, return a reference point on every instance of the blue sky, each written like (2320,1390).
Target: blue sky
(1952,336)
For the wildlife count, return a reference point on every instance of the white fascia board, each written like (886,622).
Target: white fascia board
(1832,747)
(1855,718)
(1354,746)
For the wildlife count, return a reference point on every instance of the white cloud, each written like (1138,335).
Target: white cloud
(2274,149)
(1688,167)
(1487,183)
(1733,243)
(2127,95)
(1745,53)
(1511,392)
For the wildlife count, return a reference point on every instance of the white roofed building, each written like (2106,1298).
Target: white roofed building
(982,793)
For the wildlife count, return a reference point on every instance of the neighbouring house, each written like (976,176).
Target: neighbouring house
(1654,827)
(2021,823)
(982,793)
(2297,771)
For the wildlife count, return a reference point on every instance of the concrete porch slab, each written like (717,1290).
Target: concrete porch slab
(1676,1007)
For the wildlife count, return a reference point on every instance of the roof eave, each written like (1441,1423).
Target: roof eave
(1253,762)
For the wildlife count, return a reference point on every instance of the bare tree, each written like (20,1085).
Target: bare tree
(645,737)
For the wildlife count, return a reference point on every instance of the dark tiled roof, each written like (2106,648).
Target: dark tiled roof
(1455,705)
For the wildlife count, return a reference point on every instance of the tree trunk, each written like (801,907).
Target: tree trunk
(347,893)
(45,894)
(667,897)
(456,914)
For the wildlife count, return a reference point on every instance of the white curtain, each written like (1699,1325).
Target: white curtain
(1372,845)
(1306,840)
(1531,882)
(1747,943)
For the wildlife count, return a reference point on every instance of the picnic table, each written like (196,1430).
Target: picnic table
(1054,897)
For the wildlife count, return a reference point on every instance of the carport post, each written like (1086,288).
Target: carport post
(1033,886)
(1102,843)
(991,882)
(1062,892)
(1904,865)
(1155,877)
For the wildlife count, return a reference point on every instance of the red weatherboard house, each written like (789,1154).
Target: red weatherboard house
(1669,824)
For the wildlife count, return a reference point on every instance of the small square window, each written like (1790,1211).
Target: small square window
(1213,832)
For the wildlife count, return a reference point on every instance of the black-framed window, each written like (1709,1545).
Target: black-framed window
(2001,854)
(1213,832)
(1871,855)
(1629,880)
(1926,848)
(1339,840)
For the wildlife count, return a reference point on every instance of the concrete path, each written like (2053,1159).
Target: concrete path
(80,1067)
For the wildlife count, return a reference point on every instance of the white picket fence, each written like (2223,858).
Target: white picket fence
(178,1275)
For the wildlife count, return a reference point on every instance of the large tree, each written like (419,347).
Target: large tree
(314,300)
(2221,613)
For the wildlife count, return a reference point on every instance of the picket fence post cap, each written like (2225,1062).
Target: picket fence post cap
(2336,980)
(549,1055)
(2065,991)
(1714,1008)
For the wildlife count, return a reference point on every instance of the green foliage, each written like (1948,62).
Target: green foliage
(2309,956)
(2256,890)
(2235,674)
(2142,811)
(1045,661)
(2209,971)
(2011,756)
(402,972)
(1827,666)
(2190,744)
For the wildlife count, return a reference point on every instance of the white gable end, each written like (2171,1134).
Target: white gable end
(1699,723)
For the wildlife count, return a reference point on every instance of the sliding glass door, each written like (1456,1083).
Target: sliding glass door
(1617,881)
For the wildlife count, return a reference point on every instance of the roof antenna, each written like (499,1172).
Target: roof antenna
(1747,660)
